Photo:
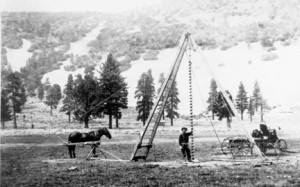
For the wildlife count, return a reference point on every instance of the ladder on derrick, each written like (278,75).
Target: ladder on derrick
(145,142)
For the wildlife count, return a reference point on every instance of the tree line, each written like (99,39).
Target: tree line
(145,94)
(219,107)
(13,96)
(86,97)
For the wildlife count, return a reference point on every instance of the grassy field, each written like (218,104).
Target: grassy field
(47,163)
(21,167)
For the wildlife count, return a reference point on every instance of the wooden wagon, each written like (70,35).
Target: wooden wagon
(237,146)
(267,139)
(264,138)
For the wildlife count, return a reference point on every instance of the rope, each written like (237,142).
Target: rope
(191,104)
(62,139)
(205,105)
(110,154)
(232,106)
(164,59)
(34,145)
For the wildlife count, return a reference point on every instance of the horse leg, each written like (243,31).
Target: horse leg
(94,151)
(70,150)
(73,150)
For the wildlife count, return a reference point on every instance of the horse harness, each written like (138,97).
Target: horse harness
(96,133)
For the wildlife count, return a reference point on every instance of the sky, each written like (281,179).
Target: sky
(110,6)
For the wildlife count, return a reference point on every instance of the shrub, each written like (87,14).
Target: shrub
(269,56)
(133,55)
(69,68)
(207,43)
(251,33)
(151,55)
(125,67)
(228,45)
(267,42)
(125,64)
(286,43)
(271,49)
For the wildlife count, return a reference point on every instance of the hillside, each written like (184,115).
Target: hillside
(37,43)
(243,40)
(248,41)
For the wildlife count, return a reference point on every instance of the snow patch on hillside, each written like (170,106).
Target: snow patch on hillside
(279,78)
(79,48)
(17,58)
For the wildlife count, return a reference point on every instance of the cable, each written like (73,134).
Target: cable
(202,99)
(191,103)
(69,123)
(165,58)
(232,106)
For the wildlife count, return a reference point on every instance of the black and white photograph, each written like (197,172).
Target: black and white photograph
(150,93)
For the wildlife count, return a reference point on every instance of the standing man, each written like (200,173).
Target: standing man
(184,143)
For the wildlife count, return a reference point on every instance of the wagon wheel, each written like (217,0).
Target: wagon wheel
(240,147)
(280,147)
(247,148)
(225,147)
(262,147)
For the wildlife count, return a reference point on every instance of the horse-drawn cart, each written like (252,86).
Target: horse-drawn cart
(267,139)
(264,138)
(237,146)
(279,145)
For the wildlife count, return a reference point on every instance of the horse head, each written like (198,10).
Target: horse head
(105,132)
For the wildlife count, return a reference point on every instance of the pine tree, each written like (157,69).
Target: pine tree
(58,94)
(86,92)
(172,103)
(41,92)
(53,96)
(256,96)
(251,108)
(222,109)
(263,106)
(213,95)
(161,81)
(69,101)
(23,96)
(14,89)
(145,93)
(140,94)
(77,95)
(5,108)
(47,84)
(114,88)
(241,100)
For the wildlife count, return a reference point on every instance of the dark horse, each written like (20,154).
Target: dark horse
(76,137)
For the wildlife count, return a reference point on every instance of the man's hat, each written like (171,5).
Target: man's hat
(183,128)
